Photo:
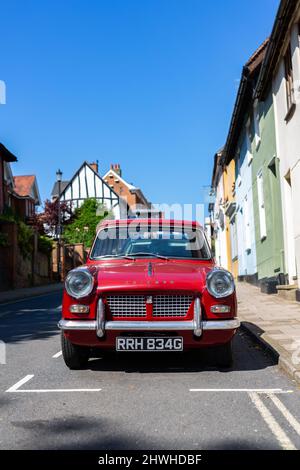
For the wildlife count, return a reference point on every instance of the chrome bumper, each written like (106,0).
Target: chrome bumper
(149,326)
(197,325)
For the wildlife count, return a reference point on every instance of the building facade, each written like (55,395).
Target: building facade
(133,196)
(87,183)
(281,74)
(268,220)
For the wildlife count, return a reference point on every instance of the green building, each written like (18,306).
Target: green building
(266,188)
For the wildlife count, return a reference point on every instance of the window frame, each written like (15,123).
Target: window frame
(289,78)
(261,206)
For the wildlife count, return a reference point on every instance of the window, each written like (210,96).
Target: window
(256,123)
(248,142)
(150,242)
(289,78)
(233,236)
(247,224)
(261,206)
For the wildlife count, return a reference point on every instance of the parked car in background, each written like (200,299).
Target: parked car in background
(148,285)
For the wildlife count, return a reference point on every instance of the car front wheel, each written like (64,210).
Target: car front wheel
(224,355)
(75,357)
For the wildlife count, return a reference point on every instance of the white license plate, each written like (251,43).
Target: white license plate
(165,343)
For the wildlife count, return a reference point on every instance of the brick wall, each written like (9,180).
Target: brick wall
(17,272)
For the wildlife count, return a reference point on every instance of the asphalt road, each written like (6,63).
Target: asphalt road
(136,401)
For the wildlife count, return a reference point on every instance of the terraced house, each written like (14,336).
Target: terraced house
(263,142)
(262,237)
(281,74)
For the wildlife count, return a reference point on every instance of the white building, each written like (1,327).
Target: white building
(87,183)
(218,214)
(282,68)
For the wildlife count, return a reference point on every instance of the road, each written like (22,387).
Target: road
(136,401)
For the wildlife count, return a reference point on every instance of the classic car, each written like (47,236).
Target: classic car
(148,285)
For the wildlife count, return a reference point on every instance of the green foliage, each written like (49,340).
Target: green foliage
(25,239)
(86,218)
(45,245)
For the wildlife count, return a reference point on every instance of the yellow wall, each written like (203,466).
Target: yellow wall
(229,182)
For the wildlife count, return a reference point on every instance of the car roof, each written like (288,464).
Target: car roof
(151,221)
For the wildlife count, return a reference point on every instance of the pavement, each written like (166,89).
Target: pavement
(273,322)
(137,400)
(19,294)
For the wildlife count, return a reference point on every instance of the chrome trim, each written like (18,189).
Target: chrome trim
(197,318)
(100,318)
(171,325)
(150,325)
(77,325)
(78,295)
(217,270)
(221,324)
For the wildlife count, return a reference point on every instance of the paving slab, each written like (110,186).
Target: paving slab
(274,322)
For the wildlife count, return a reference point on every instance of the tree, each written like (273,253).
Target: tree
(47,221)
(82,229)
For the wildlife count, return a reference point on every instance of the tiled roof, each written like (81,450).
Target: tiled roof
(63,185)
(258,56)
(23,184)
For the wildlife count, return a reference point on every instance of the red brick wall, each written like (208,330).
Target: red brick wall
(122,190)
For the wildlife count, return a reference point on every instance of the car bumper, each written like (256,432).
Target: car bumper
(83,325)
(89,332)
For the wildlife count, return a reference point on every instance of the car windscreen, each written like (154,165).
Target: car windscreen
(181,243)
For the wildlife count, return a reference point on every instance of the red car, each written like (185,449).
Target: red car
(148,285)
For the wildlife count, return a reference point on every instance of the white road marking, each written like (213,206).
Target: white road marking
(16,388)
(58,390)
(59,353)
(247,390)
(21,382)
(286,413)
(276,429)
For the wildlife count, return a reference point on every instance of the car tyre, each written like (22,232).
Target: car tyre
(224,355)
(75,357)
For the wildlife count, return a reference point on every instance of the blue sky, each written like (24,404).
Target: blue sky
(149,84)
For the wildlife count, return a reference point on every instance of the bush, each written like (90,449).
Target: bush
(25,239)
(83,227)
(45,245)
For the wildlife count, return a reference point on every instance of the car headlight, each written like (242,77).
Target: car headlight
(79,283)
(220,283)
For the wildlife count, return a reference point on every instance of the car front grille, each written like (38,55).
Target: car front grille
(171,305)
(127,305)
(161,306)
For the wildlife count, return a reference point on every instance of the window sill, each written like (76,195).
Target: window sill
(290,112)
(258,144)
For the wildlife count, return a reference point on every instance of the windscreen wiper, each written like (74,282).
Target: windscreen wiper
(142,253)
(112,256)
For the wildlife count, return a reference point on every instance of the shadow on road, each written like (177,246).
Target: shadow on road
(30,319)
(85,433)
(247,356)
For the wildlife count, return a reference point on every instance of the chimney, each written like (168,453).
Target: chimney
(95,166)
(116,168)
